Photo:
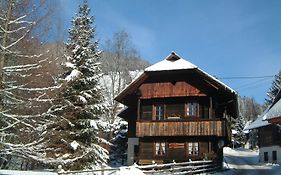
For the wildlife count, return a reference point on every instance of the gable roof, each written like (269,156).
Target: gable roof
(274,109)
(258,123)
(175,62)
(172,62)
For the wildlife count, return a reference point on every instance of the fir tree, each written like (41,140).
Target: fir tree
(81,105)
(118,148)
(274,89)
(239,126)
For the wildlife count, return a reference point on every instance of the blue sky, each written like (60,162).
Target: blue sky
(226,38)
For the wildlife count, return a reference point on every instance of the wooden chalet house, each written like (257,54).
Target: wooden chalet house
(177,112)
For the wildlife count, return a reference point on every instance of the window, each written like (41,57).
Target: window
(191,109)
(160,148)
(203,111)
(265,156)
(146,112)
(193,148)
(174,111)
(274,156)
(159,112)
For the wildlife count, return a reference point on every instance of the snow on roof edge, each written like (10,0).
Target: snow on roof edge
(217,80)
(259,122)
(168,64)
(181,64)
(274,111)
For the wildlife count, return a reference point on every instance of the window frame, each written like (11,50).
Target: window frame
(156,117)
(193,152)
(161,144)
(187,109)
(147,112)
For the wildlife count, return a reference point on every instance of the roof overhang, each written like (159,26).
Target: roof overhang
(171,65)
(273,114)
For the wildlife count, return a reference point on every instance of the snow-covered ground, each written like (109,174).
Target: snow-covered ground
(15,172)
(236,162)
(246,162)
(129,170)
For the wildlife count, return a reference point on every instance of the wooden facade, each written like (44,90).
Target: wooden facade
(168,89)
(177,115)
(179,149)
(269,136)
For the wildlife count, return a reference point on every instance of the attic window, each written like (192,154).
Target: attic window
(173,57)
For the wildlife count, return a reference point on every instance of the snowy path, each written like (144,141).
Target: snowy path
(245,162)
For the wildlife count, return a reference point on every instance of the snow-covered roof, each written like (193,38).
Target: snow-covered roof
(274,111)
(259,122)
(172,62)
(175,62)
(271,112)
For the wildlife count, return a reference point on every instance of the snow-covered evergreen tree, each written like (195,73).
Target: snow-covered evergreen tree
(239,135)
(119,139)
(81,103)
(274,89)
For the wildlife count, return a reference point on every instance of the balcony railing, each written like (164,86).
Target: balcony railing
(182,128)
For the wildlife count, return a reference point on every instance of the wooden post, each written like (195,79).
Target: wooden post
(211,108)
(102,170)
(139,108)
(210,147)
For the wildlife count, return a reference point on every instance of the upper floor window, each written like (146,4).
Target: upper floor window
(193,148)
(159,112)
(203,111)
(191,109)
(146,112)
(160,148)
(174,111)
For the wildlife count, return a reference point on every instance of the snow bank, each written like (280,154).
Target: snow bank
(131,170)
(15,172)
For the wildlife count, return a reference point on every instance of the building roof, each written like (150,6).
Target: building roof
(275,109)
(259,122)
(175,62)
(171,63)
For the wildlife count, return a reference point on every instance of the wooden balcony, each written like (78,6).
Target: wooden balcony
(182,128)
